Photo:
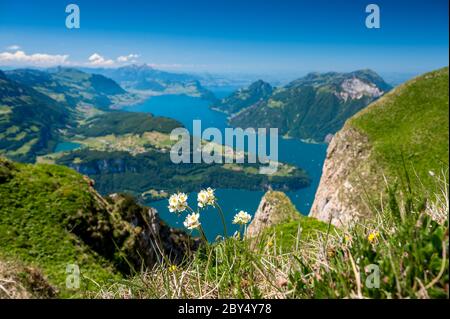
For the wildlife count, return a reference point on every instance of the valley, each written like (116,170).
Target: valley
(123,143)
(218,151)
(96,170)
(126,151)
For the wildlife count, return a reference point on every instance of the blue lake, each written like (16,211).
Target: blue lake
(66,146)
(186,109)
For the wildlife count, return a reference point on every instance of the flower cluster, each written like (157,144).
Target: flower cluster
(242,218)
(178,203)
(206,197)
(192,221)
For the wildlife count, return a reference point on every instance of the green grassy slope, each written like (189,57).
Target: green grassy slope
(286,235)
(36,207)
(50,217)
(287,224)
(278,221)
(409,126)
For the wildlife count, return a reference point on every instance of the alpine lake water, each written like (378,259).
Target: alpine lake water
(185,109)
(66,146)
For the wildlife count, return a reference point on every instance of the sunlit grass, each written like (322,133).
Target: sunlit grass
(407,243)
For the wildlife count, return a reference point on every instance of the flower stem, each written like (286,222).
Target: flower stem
(190,209)
(202,233)
(222,216)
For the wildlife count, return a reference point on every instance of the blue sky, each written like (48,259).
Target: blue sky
(266,36)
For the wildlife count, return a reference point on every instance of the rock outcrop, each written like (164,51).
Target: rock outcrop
(346,174)
(129,234)
(274,208)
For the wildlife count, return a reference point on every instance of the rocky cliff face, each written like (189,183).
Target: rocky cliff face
(346,174)
(274,208)
(355,89)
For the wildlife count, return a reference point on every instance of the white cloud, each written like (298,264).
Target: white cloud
(98,60)
(128,58)
(36,59)
(20,58)
(13,47)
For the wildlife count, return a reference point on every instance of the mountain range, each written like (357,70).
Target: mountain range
(145,79)
(39,107)
(311,108)
(79,90)
(30,121)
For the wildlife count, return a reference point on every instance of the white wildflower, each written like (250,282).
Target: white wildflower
(173,203)
(192,221)
(206,197)
(242,218)
(178,202)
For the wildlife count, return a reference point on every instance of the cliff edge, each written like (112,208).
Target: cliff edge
(399,140)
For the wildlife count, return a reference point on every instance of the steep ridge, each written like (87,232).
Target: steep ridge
(399,140)
(51,216)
